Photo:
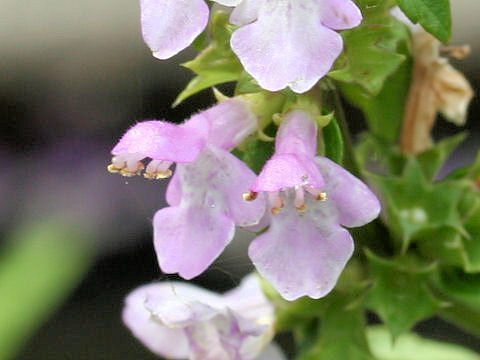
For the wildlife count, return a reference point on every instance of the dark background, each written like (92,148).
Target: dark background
(73,77)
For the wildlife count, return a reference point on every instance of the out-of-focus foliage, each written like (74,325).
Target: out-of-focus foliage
(413,347)
(39,266)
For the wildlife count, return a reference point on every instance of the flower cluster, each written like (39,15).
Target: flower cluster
(269,160)
(300,202)
(309,198)
(270,41)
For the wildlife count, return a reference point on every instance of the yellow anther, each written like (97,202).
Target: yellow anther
(164,175)
(150,176)
(127,173)
(322,196)
(250,196)
(113,169)
(302,208)
(130,173)
(158,175)
(276,210)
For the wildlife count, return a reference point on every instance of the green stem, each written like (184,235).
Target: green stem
(349,157)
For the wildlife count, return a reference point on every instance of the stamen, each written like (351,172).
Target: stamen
(159,175)
(276,201)
(322,196)
(299,197)
(158,169)
(126,165)
(276,210)
(250,196)
(118,163)
(317,194)
(302,208)
(133,169)
(113,169)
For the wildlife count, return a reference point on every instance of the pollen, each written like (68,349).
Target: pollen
(129,173)
(302,208)
(113,169)
(276,210)
(250,196)
(158,175)
(322,196)
(125,171)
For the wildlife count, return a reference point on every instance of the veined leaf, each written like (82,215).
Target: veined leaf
(413,205)
(371,50)
(434,15)
(400,293)
(341,335)
(216,64)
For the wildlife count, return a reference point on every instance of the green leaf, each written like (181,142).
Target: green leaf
(474,171)
(400,294)
(384,112)
(462,291)
(433,159)
(202,82)
(413,347)
(470,202)
(433,15)
(463,317)
(371,50)
(453,247)
(472,244)
(342,333)
(257,151)
(333,141)
(247,84)
(370,148)
(460,287)
(39,267)
(413,205)
(216,64)
(445,245)
(290,315)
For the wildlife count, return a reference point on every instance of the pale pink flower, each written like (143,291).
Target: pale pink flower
(311,199)
(181,321)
